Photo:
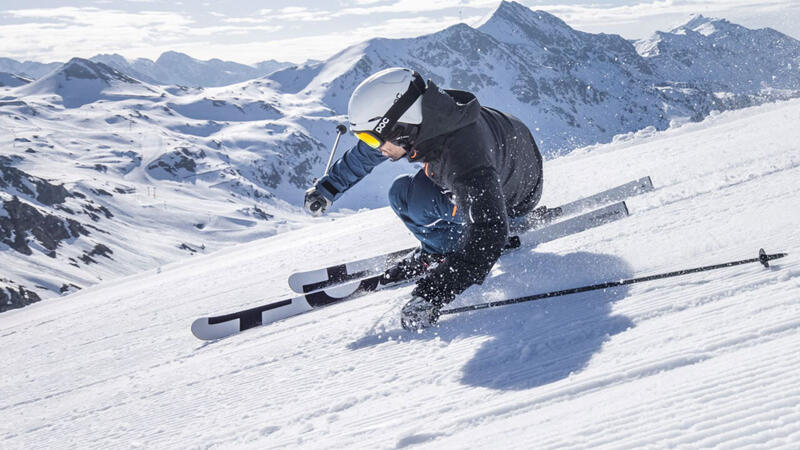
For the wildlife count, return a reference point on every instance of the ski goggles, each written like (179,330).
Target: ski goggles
(369,138)
(385,130)
(400,135)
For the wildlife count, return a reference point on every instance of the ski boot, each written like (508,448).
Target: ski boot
(418,314)
(413,265)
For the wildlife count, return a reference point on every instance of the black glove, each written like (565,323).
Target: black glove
(316,203)
(435,288)
(418,314)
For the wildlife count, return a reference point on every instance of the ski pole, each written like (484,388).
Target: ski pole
(763,258)
(340,130)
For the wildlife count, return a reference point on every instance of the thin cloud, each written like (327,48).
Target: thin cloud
(247,20)
(641,19)
(301,14)
(416,6)
(230,29)
(296,33)
(90,16)
(324,45)
(68,31)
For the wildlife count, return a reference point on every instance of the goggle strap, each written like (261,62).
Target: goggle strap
(415,89)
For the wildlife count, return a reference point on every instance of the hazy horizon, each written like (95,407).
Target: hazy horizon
(48,31)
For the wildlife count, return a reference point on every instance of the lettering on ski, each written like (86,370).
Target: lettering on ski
(218,327)
(314,280)
(211,328)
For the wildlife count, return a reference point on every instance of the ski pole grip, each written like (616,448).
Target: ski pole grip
(315,206)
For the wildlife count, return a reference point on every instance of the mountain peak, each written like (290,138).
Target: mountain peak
(510,7)
(512,21)
(513,12)
(110,59)
(699,23)
(175,57)
(82,81)
(92,70)
(696,20)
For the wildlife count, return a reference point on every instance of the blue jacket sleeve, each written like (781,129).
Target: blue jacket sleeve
(354,165)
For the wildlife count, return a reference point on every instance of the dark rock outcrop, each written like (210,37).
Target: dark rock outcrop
(16,297)
(45,192)
(179,163)
(22,220)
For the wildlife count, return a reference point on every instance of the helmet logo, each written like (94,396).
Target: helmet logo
(381,125)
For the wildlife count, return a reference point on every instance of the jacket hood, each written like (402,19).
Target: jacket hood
(443,112)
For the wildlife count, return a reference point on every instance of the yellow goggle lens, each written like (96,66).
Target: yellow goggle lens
(369,139)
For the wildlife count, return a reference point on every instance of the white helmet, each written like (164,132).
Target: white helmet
(371,102)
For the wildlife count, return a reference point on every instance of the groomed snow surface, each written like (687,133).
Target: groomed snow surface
(707,360)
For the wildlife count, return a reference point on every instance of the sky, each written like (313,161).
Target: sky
(250,31)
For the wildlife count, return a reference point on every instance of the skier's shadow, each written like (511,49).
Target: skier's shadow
(537,343)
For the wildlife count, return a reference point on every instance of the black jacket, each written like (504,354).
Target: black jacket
(490,162)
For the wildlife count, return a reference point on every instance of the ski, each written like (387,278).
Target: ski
(314,280)
(615,194)
(218,327)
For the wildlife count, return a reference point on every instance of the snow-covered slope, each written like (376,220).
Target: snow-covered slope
(11,80)
(708,360)
(103,175)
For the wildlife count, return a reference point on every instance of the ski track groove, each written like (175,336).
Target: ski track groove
(729,343)
(630,373)
(379,362)
(676,304)
(716,191)
(789,326)
(615,431)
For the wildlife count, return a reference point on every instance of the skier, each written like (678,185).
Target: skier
(481,169)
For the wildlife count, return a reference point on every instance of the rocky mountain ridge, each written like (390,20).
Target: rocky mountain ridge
(724,57)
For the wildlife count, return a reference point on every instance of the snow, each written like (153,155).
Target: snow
(706,360)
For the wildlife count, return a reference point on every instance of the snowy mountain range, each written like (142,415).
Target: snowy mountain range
(108,170)
(724,57)
(170,68)
(574,88)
